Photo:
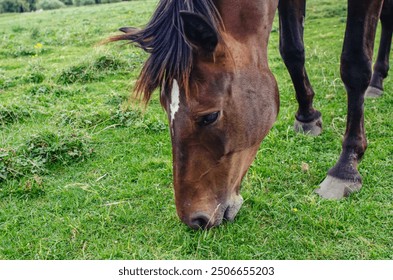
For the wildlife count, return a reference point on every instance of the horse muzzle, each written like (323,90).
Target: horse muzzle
(211,218)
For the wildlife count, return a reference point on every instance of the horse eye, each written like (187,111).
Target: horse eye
(208,119)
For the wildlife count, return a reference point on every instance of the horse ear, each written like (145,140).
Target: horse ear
(199,32)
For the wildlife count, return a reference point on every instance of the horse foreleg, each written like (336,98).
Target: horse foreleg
(381,66)
(356,58)
(292,14)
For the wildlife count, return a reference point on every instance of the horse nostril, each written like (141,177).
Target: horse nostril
(199,221)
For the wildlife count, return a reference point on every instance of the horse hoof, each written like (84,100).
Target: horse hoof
(313,128)
(334,188)
(373,92)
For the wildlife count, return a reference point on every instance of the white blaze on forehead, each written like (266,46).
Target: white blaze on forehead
(175,101)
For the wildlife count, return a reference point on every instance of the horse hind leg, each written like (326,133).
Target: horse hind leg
(381,66)
(292,14)
(344,178)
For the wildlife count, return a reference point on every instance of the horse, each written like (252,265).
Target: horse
(208,58)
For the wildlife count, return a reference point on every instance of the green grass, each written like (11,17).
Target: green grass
(85,176)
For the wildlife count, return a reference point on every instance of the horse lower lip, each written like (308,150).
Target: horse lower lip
(233,209)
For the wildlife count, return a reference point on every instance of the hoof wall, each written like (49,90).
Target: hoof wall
(373,92)
(313,128)
(334,188)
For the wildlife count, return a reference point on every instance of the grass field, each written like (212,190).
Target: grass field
(83,175)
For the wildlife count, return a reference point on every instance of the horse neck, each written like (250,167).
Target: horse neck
(247,19)
(248,24)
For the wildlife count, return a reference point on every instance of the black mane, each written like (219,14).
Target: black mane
(170,55)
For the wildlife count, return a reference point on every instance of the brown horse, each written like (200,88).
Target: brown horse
(209,59)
